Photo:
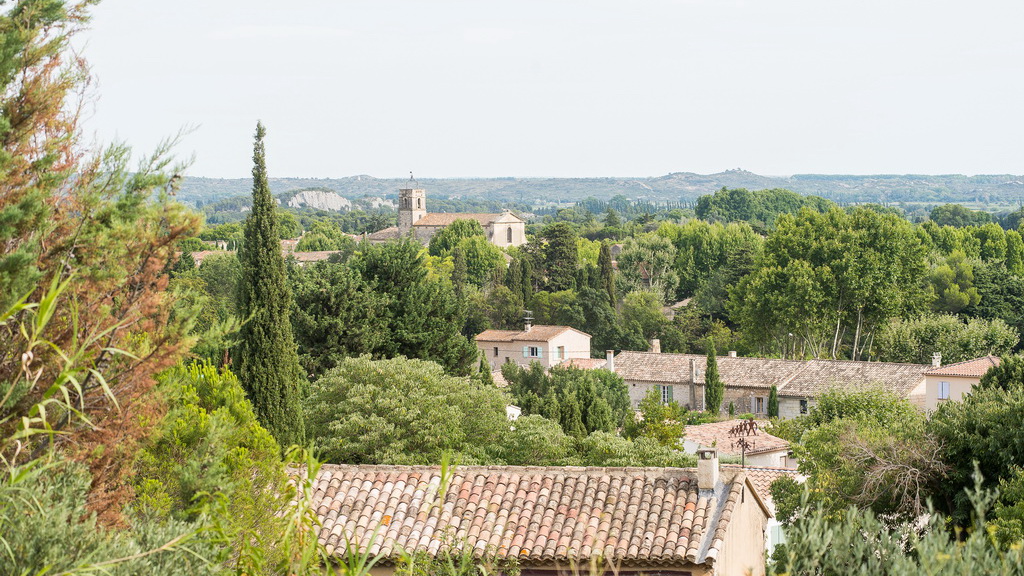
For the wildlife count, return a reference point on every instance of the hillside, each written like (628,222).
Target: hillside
(997,190)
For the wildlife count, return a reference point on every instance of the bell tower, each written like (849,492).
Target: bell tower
(412,205)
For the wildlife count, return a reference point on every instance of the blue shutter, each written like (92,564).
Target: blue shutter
(540,352)
(526,351)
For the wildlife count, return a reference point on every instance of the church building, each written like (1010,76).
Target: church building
(502,230)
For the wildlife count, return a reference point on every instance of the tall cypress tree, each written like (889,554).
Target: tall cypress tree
(773,402)
(268,363)
(604,262)
(714,388)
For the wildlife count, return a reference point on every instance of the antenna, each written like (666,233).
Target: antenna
(412,181)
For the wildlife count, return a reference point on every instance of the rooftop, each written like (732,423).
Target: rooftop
(583,363)
(536,514)
(446,218)
(975,368)
(725,436)
(540,333)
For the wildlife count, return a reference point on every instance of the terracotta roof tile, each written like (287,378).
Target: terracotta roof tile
(583,363)
(792,377)
(536,334)
(537,514)
(976,368)
(719,435)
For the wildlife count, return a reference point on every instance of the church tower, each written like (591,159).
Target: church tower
(412,205)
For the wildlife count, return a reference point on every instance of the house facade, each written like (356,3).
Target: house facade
(748,381)
(547,345)
(551,520)
(951,382)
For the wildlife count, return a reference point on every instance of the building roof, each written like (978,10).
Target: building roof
(725,437)
(540,515)
(314,256)
(535,334)
(583,363)
(446,218)
(389,233)
(971,368)
(792,377)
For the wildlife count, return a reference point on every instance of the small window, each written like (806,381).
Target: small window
(508,233)
(560,353)
(943,390)
(666,394)
(495,351)
(803,405)
(759,405)
(419,203)
(532,352)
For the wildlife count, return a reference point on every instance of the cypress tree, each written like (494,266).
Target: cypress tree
(268,363)
(460,272)
(714,389)
(773,402)
(514,278)
(527,279)
(607,273)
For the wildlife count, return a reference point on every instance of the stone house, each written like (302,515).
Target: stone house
(503,230)
(548,345)
(738,438)
(951,382)
(551,520)
(748,381)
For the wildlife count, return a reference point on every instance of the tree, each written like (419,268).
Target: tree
(773,402)
(267,360)
(560,256)
(958,216)
(658,421)
(916,339)
(714,388)
(442,243)
(606,272)
(401,411)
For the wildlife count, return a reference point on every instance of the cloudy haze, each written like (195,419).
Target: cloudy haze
(566,88)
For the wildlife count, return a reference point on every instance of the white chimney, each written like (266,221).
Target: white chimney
(707,468)
(609,356)
(527,320)
(732,353)
(937,360)
(655,345)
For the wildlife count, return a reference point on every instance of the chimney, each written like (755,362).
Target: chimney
(732,353)
(609,356)
(707,468)
(937,360)
(655,345)
(527,320)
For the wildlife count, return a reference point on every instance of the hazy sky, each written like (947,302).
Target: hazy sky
(566,88)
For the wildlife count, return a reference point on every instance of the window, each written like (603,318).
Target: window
(803,405)
(943,390)
(560,353)
(495,351)
(419,203)
(759,405)
(666,394)
(508,234)
(531,352)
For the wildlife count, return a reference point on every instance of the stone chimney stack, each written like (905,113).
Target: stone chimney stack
(655,345)
(527,320)
(732,353)
(707,468)
(609,356)
(937,360)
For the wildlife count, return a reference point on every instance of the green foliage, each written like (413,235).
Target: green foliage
(714,388)
(288,225)
(916,339)
(607,273)
(582,401)
(867,543)
(952,284)
(648,262)
(1008,375)
(267,361)
(324,235)
(606,449)
(773,402)
(560,256)
(442,243)
(759,208)
(958,216)
(401,411)
(660,422)
(644,308)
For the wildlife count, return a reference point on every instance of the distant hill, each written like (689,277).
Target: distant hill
(997,190)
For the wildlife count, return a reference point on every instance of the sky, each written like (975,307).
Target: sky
(564,88)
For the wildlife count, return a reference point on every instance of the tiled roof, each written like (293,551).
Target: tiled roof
(314,256)
(651,516)
(717,435)
(977,367)
(583,363)
(792,377)
(446,218)
(535,334)
(389,233)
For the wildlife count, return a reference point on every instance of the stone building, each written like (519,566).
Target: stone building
(502,230)
(547,345)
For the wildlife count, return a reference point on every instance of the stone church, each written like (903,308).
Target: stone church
(504,229)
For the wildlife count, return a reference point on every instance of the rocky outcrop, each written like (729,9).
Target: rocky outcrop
(319,200)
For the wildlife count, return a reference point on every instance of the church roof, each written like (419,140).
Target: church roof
(446,218)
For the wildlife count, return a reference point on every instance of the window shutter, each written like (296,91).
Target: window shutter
(540,352)
(671,389)
(526,351)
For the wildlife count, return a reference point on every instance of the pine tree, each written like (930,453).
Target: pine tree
(268,363)
(714,389)
(773,402)
(607,274)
